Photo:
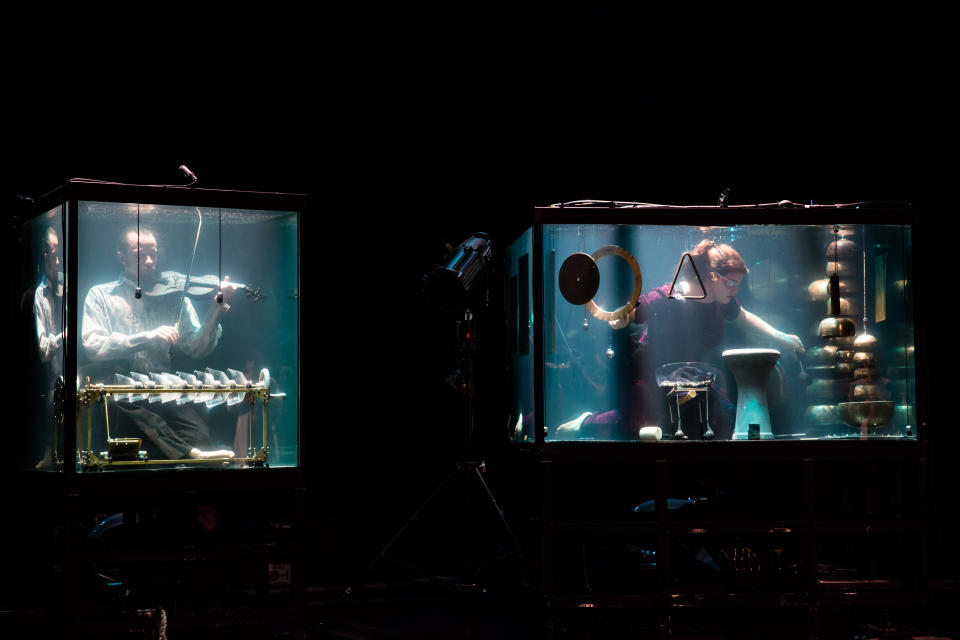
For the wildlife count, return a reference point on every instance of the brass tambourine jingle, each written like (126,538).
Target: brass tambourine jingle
(624,311)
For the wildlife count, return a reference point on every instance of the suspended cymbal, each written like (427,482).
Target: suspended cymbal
(820,356)
(865,342)
(848,307)
(843,249)
(842,269)
(836,327)
(871,413)
(818,290)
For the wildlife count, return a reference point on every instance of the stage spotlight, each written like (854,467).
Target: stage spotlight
(448,285)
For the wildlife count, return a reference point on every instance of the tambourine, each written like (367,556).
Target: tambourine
(579,279)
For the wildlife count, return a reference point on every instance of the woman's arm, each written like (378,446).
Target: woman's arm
(752,323)
(642,310)
(623,322)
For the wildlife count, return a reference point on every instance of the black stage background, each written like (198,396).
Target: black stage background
(414,124)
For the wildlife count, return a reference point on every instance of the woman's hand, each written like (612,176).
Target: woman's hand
(790,343)
(619,324)
(623,322)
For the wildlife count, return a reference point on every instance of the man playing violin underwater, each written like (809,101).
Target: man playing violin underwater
(139,334)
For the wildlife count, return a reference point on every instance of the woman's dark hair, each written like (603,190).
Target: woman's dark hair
(719,258)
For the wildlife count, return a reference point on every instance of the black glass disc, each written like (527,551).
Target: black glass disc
(579,278)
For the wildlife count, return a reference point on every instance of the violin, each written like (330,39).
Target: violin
(175,282)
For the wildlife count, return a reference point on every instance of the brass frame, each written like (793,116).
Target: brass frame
(91,394)
(624,311)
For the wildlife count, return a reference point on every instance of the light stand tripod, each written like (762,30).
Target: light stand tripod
(466,351)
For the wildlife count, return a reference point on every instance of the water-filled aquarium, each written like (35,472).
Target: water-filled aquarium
(680,324)
(160,330)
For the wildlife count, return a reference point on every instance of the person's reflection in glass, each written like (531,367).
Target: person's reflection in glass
(50,333)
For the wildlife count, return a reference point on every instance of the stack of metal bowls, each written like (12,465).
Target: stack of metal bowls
(849,388)
(869,406)
(831,366)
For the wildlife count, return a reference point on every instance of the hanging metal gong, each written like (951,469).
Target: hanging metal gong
(579,279)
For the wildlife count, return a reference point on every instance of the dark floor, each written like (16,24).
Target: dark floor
(425,609)
(217,583)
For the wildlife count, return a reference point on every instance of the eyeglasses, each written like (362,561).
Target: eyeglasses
(731,284)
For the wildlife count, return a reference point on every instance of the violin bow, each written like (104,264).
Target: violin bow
(186,284)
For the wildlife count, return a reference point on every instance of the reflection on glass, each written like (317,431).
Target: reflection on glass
(47,321)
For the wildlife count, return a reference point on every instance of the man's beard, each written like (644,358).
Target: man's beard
(147,277)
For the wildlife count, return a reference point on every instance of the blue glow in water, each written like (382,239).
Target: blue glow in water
(579,376)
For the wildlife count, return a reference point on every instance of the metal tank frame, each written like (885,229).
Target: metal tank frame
(77,398)
(781,213)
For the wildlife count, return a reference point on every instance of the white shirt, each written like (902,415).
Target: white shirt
(48,322)
(115,326)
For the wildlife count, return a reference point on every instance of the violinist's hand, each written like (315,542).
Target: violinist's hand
(165,333)
(227,288)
